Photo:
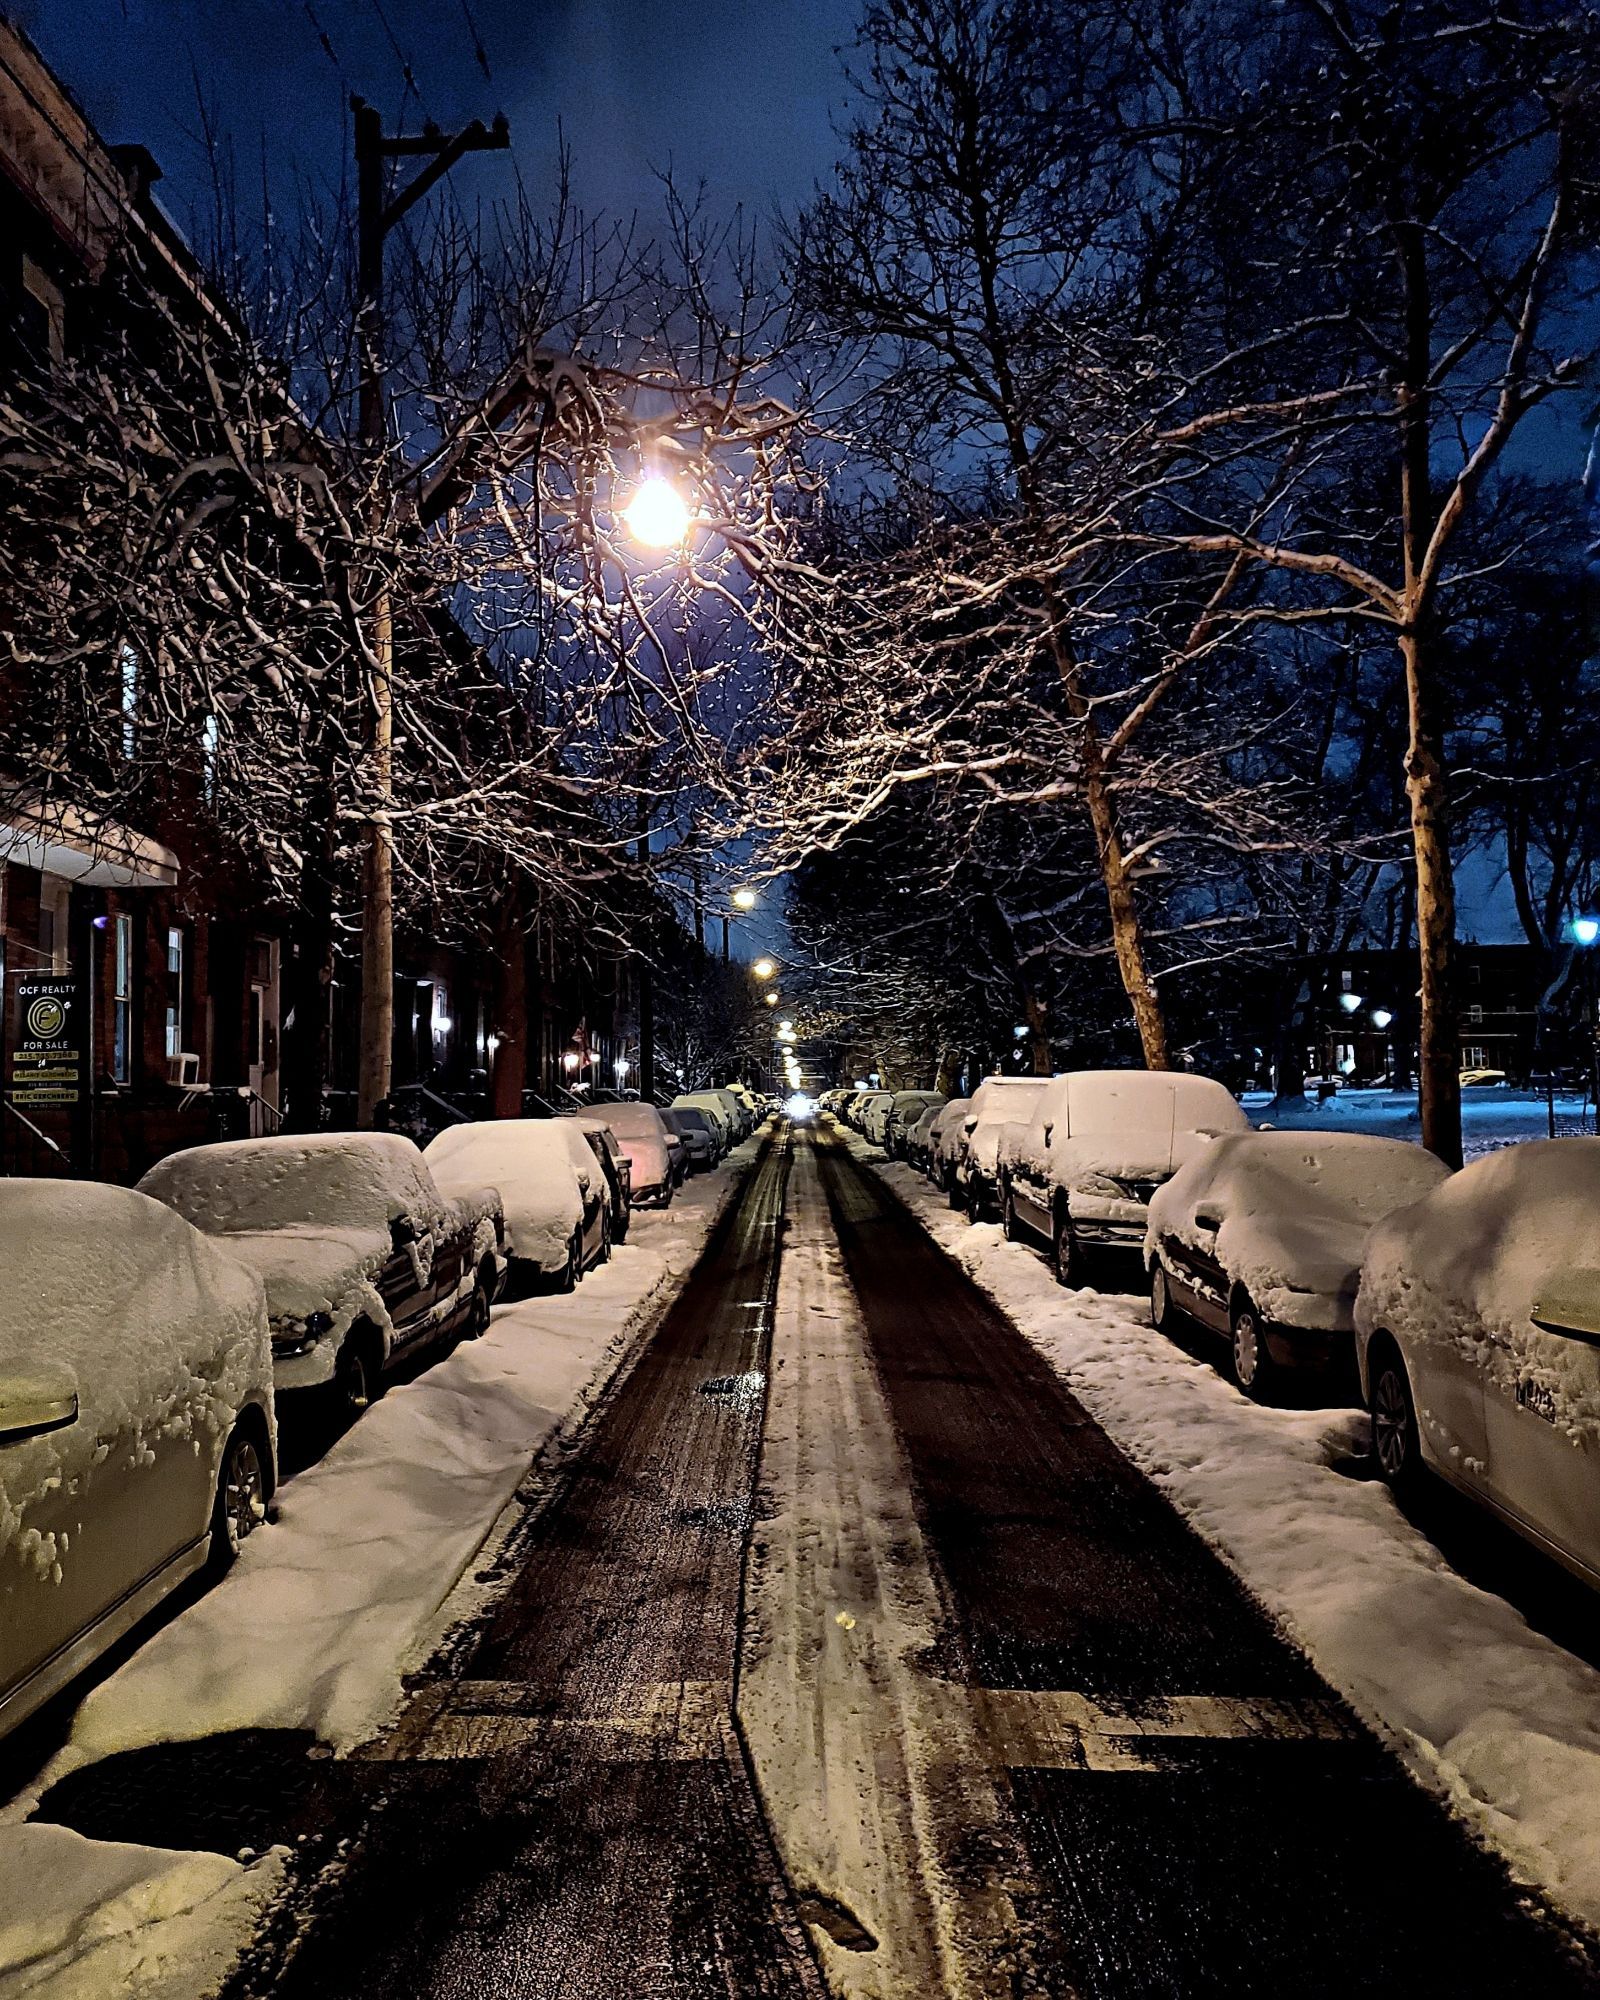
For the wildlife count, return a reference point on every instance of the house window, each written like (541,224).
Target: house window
(1346,980)
(174,991)
(122,1000)
(44,315)
(1475,1015)
(129,665)
(1472,1057)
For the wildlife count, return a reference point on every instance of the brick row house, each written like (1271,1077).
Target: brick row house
(191,992)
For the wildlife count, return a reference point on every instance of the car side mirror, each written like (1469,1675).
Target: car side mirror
(402,1230)
(31,1404)
(1207,1221)
(1568,1305)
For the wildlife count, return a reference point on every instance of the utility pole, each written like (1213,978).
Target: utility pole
(377,212)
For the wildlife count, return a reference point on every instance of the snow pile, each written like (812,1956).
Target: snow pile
(1510,1234)
(542,1168)
(364,1180)
(1295,1212)
(84,1918)
(161,1335)
(1495,1715)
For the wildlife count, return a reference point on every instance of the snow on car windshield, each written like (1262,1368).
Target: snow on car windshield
(1119,1101)
(360,1180)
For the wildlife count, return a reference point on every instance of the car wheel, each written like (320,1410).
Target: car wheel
(1252,1364)
(482,1301)
(1008,1214)
(241,1502)
(1395,1444)
(572,1270)
(355,1381)
(1163,1313)
(1066,1257)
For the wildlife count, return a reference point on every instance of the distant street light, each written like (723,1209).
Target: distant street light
(744,899)
(1585,930)
(657,514)
(763,968)
(772,999)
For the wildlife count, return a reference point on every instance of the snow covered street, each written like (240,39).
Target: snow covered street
(319,1619)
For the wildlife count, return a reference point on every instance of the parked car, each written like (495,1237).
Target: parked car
(998,1101)
(1259,1239)
(905,1109)
(919,1138)
(137,1440)
(364,1260)
(1081,1172)
(696,1128)
(866,1108)
(552,1192)
(1478,1340)
(944,1136)
(643,1136)
(615,1165)
(721,1113)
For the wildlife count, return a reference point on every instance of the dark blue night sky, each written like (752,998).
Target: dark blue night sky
(732,91)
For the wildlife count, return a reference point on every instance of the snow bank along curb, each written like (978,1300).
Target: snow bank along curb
(1500,1719)
(315,1624)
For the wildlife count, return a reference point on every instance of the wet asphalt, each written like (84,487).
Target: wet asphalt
(566,1807)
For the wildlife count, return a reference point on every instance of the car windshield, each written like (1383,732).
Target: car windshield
(697,1121)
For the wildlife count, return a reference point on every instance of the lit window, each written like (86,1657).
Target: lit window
(210,736)
(174,991)
(122,1000)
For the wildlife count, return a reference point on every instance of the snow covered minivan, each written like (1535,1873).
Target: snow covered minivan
(137,1439)
(365,1262)
(1098,1143)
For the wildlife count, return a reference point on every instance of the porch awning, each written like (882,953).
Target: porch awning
(99,853)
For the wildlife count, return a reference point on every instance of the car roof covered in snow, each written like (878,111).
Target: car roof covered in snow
(360,1180)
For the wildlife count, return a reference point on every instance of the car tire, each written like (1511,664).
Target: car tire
(242,1494)
(480,1304)
(976,1206)
(356,1383)
(1066,1256)
(605,1239)
(1248,1359)
(572,1270)
(1396,1446)
(1163,1313)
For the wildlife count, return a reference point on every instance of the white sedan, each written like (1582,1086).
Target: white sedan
(137,1438)
(1478,1339)
(1259,1238)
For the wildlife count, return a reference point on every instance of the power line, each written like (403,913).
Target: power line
(477,42)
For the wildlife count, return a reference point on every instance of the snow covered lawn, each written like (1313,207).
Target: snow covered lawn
(1497,1717)
(318,1620)
(1490,1117)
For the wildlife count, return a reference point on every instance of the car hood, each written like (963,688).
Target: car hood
(309,1268)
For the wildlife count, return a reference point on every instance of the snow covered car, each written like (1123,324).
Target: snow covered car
(907,1107)
(136,1421)
(1082,1170)
(1260,1237)
(699,1135)
(944,1136)
(722,1119)
(552,1192)
(869,1109)
(365,1261)
(615,1165)
(1478,1341)
(643,1137)
(998,1101)
(919,1138)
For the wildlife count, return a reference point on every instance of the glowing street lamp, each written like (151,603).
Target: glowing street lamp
(763,968)
(657,515)
(1585,930)
(772,999)
(744,899)
(1381,1017)
(1350,1002)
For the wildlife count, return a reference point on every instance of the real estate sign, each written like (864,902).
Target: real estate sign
(46,1043)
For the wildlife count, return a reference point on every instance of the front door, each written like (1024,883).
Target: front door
(1541,1394)
(262,1035)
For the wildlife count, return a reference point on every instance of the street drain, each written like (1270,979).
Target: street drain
(248,1788)
(842,1924)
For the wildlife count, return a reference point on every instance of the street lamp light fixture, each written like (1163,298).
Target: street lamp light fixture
(1350,1002)
(657,515)
(772,999)
(1585,930)
(1381,1017)
(763,968)
(744,899)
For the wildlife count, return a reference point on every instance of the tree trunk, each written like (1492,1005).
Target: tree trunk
(1125,932)
(1440,1065)
(509,1077)
(307,1045)
(1038,1020)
